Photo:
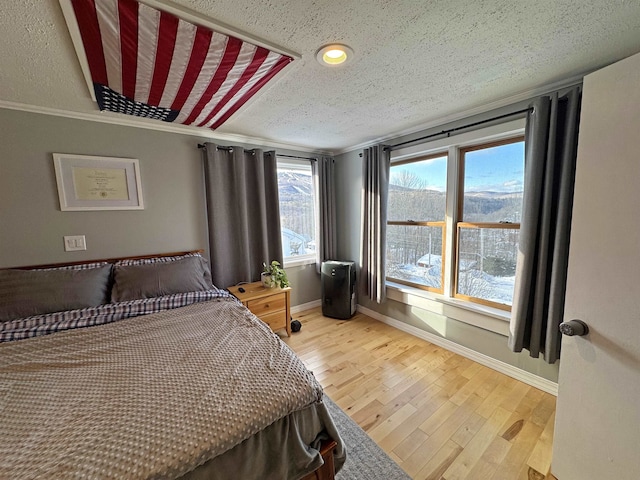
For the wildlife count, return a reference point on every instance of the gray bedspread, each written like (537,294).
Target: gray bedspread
(174,393)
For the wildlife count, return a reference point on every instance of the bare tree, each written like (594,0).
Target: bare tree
(407,179)
(470,283)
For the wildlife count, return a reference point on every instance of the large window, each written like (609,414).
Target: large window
(476,190)
(297,217)
(489,208)
(416,222)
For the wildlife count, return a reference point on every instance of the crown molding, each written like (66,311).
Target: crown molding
(137,122)
(487,107)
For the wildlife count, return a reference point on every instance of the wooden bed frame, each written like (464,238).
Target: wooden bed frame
(328,470)
(325,471)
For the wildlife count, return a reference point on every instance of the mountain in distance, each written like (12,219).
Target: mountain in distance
(493,194)
(291,183)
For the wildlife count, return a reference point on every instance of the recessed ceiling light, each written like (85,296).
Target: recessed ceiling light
(334,54)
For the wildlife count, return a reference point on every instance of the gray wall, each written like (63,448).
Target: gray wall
(32,224)
(349,193)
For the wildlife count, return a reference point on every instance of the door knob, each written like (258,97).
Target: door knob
(574,327)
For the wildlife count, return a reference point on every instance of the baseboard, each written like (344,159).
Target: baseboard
(305,306)
(514,372)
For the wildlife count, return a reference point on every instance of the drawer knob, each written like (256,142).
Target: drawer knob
(266,305)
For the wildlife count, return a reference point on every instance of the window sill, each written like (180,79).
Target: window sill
(481,316)
(299,261)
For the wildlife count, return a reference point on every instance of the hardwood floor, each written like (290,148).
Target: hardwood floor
(437,414)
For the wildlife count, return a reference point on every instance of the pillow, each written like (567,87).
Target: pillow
(148,260)
(24,293)
(131,282)
(79,266)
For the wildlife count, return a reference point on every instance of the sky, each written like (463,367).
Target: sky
(496,169)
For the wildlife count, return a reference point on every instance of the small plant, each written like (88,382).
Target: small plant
(273,275)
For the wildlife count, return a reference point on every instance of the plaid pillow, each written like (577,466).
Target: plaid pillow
(81,266)
(38,325)
(150,260)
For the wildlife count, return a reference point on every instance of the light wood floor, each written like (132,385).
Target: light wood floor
(437,414)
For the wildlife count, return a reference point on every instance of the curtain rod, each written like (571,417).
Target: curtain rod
(228,149)
(313,159)
(455,129)
(220,147)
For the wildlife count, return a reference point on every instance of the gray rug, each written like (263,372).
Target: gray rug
(365,459)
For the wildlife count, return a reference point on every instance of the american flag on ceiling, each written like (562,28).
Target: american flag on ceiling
(149,63)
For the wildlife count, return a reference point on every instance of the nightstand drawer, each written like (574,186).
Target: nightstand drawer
(276,320)
(270,304)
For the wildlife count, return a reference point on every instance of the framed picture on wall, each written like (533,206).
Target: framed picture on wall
(97,183)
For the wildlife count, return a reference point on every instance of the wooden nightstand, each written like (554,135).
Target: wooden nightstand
(271,305)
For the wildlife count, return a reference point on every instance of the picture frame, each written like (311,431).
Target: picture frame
(98,183)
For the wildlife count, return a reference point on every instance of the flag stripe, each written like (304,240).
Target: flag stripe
(280,64)
(107,11)
(181,55)
(258,59)
(212,61)
(86,15)
(245,55)
(164,53)
(128,45)
(196,62)
(263,70)
(148,19)
(227,63)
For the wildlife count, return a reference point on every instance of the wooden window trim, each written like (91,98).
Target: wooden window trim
(460,223)
(419,223)
(412,223)
(506,225)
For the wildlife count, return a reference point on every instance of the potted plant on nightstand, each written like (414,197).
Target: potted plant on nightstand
(273,275)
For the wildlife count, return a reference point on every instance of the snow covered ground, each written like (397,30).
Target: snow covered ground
(472,282)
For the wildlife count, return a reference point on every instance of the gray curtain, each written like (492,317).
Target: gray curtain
(375,192)
(551,140)
(324,183)
(243,213)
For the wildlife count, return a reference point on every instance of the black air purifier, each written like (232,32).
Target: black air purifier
(338,289)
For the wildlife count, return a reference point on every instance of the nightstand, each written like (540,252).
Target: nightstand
(271,305)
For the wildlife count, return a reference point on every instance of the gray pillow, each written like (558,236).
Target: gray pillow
(24,293)
(132,282)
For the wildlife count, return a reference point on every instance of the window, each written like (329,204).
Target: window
(297,214)
(416,222)
(454,218)
(490,204)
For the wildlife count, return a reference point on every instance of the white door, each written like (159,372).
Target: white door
(597,433)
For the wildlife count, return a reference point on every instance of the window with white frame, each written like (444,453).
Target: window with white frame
(297,210)
(454,217)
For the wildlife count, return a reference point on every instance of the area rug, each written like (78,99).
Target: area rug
(365,459)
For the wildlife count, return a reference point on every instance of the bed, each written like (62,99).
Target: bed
(141,368)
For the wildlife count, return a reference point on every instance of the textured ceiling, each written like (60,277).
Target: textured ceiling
(415,61)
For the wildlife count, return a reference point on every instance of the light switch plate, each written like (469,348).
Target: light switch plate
(74,242)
